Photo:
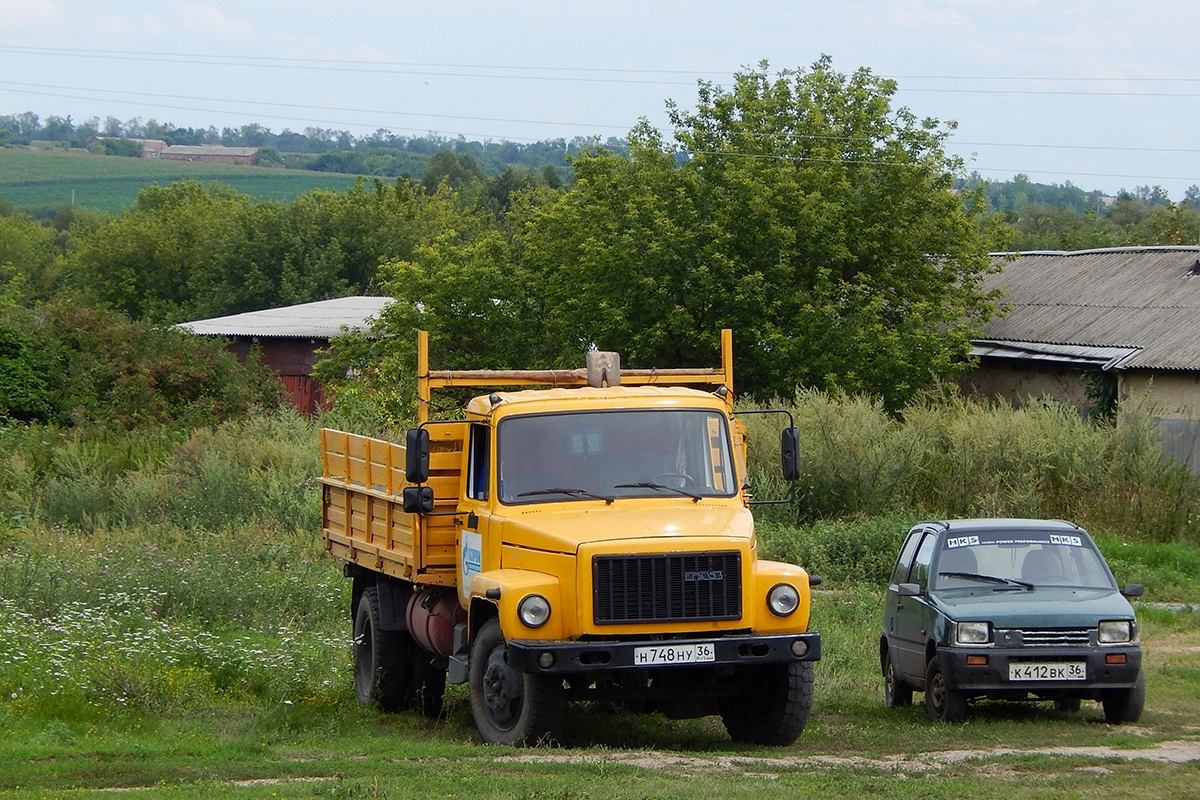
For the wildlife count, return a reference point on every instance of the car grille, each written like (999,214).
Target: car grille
(670,587)
(1051,637)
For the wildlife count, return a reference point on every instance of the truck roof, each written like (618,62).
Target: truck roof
(585,398)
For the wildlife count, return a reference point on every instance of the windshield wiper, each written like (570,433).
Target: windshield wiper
(991,578)
(570,492)
(652,485)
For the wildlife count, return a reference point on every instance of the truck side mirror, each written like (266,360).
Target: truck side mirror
(418,500)
(416,455)
(789,449)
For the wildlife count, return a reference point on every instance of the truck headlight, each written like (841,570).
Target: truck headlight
(1116,631)
(973,633)
(783,599)
(534,610)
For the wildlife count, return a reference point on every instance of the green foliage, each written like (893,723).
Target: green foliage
(809,216)
(24,393)
(945,455)
(97,368)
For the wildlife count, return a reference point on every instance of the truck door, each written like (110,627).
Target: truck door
(473,518)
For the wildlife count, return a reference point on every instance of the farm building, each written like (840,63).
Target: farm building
(1097,327)
(210,153)
(287,339)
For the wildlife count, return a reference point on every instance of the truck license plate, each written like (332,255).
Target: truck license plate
(1048,671)
(695,653)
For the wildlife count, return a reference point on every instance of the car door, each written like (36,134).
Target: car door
(909,617)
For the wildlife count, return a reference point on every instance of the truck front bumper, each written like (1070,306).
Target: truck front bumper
(573,657)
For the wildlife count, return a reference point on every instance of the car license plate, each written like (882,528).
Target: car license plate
(1047,671)
(695,653)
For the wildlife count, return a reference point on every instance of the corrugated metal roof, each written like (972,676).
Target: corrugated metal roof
(1143,298)
(321,320)
(209,150)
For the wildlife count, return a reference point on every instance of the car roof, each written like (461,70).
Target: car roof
(1001,523)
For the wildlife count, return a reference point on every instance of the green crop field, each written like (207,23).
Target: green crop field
(32,180)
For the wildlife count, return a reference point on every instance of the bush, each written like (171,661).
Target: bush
(947,456)
(98,368)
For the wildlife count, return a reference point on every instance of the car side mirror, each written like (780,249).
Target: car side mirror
(909,589)
(418,500)
(416,455)
(789,451)
(1133,590)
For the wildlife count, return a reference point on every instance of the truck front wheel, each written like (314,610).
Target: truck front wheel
(510,707)
(775,707)
(390,669)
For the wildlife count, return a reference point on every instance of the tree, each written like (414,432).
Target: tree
(801,210)
(456,170)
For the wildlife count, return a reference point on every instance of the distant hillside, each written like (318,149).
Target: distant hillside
(33,180)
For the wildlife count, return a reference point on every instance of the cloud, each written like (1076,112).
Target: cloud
(20,14)
(206,22)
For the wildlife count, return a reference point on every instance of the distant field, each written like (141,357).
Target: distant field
(33,180)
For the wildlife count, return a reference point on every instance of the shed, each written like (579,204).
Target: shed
(287,339)
(1078,324)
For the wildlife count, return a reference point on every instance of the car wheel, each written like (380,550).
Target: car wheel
(943,703)
(1067,705)
(896,693)
(1125,705)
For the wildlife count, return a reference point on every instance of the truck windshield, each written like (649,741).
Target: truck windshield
(614,454)
(1020,560)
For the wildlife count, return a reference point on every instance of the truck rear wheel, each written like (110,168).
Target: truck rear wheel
(510,707)
(775,708)
(390,669)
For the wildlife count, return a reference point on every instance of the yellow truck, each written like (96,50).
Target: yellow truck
(586,539)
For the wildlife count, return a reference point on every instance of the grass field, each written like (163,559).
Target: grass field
(192,640)
(34,180)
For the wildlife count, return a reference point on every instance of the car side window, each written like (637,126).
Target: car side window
(900,571)
(920,568)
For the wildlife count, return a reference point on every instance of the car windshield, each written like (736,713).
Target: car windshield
(609,455)
(1015,560)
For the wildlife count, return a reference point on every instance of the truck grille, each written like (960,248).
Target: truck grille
(1052,637)
(669,587)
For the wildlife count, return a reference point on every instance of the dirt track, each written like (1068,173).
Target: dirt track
(1175,752)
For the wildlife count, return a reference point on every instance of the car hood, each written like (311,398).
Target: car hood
(1049,607)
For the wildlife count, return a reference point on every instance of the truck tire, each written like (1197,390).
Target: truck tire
(1125,705)
(390,670)
(510,707)
(943,703)
(896,693)
(775,709)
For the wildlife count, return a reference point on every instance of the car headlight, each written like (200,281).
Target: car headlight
(783,599)
(973,633)
(534,610)
(1116,631)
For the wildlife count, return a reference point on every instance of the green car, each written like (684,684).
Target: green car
(1009,609)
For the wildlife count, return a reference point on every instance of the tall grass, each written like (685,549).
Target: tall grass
(951,456)
(173,569)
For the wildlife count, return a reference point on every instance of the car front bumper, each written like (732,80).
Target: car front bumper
(993,677)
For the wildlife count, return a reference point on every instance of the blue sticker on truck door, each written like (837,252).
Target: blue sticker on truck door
(470,557)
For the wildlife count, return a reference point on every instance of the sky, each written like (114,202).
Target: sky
(1104,95)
